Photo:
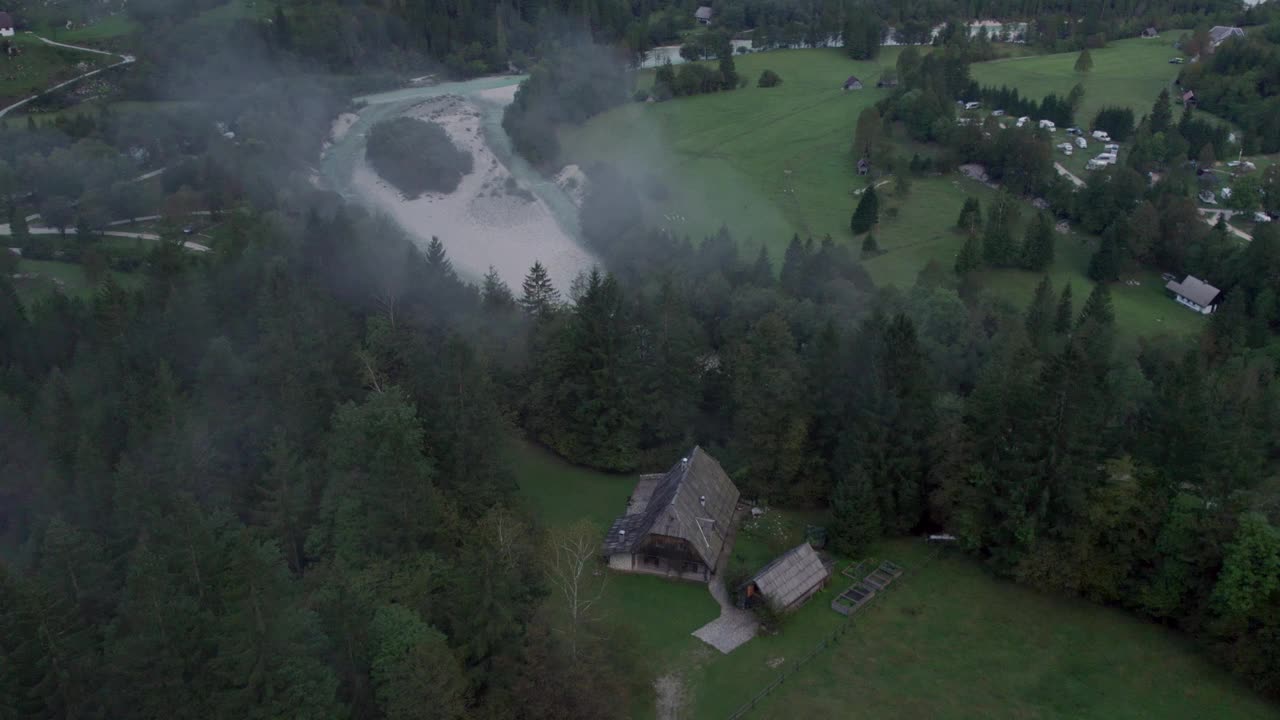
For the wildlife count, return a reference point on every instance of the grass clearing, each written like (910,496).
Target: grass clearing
(67,278)
(948,641)
(1127,73)
(39,65)
(107,28)
(770,162)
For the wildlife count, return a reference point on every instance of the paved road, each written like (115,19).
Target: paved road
(193,246)
(124,60)
(1211,216)
(1068,174)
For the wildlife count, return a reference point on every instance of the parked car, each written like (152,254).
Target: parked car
(1261,217)
(997,113)
(1175,61)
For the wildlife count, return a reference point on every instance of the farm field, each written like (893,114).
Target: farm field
(947,641)
(771,162)
(1128,73)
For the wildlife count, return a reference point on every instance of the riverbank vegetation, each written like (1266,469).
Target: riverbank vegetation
(416,156)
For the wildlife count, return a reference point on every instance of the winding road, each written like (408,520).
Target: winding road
(124,60)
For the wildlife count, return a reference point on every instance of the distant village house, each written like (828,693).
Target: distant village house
(1195,293)
(852,83)
(864,166)
(788,582)
(1150,33)
(703,15)
(1219,34)
(1189,98)
(6,24)
(678,524)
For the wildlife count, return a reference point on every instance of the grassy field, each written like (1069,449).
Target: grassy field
(67,278)
(1127,73)
(949,640)
(108,28)
(768,163)
(39,66)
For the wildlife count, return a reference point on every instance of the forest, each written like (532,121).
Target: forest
(268,480)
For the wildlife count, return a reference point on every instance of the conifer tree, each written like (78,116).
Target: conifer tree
(970,257)
(1039,320)
(867,213)
(1064,318)
(1097,308)
(1037,250)
(795,262)
(970,219)
(539,298)
(494,293)
(1161,118)
(1084,63)
(869,245)
(762,270)
(855,513)
(1104,266)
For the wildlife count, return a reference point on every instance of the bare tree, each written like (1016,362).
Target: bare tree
(576,575)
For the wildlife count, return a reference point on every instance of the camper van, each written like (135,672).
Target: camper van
(1082,143)
(1047,125)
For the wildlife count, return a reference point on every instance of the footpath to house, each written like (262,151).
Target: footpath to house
(124,60)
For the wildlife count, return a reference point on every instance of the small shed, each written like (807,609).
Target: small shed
(703,15)
(1150,33)
(853,83)
(1195,293)
(787,582)
(6,24)
(1189,98)
(864,166)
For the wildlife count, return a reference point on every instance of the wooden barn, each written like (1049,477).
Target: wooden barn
(853,83)
(789,581)
(678,524)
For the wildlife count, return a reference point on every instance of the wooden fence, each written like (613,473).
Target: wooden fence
(828,641)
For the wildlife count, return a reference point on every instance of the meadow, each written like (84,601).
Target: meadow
(768,163)
(37,66)
(1126,73)
(67,278)
(947,641)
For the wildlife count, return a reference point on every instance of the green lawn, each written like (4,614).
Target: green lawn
(39,66)
(949,641)
(108,28)
(1126,73)
(67,278)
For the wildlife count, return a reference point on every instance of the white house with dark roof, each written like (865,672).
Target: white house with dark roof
(677,524)
(6,24)
(703,15)
(1195,293)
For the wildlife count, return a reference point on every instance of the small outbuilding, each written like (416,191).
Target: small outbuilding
(678,524)
(6,24)
(1189,98)
(787,582)
(852,83)
(1195,293)
(1150,33)
(703,15)
(864,166)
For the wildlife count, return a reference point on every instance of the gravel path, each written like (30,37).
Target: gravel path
(733,628)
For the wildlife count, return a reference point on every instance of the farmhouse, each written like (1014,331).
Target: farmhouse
(703,15)
(1195,294)
(677,524)
(1219,34)
(6,24)
(852,83)
(787,582)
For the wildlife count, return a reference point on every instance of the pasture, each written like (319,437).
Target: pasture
(49,276)
(1127,73)
(948,641)
(38,66)
(771,162)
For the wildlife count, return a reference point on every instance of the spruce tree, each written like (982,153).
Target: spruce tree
(1104,266)
(1084,63)
(438,261)
(855,513)
(970,219)
(869,245)
(494,293)
(539,298)
(794,266)
(1097,308)
(1037,250)
(762,270)
(1161,113)
(1039,320)
(1064,318)
(867,213)
(970,257)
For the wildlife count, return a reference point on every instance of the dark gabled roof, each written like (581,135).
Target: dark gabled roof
(1219,33)
(1195,290)
(787,579)
(703,13)
(853,79)
(694,501)
(6,20)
